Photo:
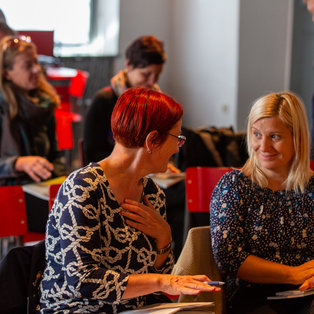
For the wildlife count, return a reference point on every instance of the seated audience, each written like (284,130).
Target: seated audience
(108,244)
(28,147)
(262,215)
(144,63)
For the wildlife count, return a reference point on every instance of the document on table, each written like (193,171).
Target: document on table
(167,308)
(290,294)
(41,189)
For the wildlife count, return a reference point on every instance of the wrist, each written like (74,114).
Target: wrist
(164,249)
(290,275)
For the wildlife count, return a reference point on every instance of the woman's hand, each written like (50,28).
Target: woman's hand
(302,273)
(146,219)
(141,284)
(308,284)
(38,168)
(176,285)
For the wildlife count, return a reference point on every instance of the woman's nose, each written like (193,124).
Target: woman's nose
(265,144)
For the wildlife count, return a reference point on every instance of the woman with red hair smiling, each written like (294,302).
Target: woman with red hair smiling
(108,244)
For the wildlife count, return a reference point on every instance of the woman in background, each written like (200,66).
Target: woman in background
(108,244)
(144,63)
(28,148)
(262,215)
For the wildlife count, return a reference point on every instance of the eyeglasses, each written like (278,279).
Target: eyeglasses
(15,42)
(181,139)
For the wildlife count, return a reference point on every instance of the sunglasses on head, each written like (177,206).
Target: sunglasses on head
(15,42)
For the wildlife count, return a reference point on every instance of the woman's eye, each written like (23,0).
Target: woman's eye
(275,137)
(257,134)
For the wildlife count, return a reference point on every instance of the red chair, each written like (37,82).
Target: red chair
(64,116)
(13,212)
(13,222)
(312,164)
(53,191)
(199,185)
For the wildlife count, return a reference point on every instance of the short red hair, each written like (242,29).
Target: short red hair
(139,111)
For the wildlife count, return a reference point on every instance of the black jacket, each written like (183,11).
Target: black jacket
(98,140)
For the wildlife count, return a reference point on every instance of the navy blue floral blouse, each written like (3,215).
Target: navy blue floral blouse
(247,219)
(91,251)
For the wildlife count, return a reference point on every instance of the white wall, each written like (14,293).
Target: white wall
(144,17)
(223,54)
(203,60)
(264,51)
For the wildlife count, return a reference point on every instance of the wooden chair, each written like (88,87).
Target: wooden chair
(199,185)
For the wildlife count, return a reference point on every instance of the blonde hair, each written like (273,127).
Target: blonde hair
(8,53)
(290,109)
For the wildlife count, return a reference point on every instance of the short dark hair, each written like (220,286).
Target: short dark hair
(144,51)
(140,111)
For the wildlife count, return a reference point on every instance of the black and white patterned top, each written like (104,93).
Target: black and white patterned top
(249,220)
(90,250)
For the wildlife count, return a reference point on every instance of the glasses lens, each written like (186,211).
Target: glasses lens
(181,140)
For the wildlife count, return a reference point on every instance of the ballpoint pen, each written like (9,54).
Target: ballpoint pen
(215,283)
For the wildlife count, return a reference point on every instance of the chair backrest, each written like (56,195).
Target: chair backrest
(200,183)
(20,275)
(53,191)
(78,84)
(196,258)
(13,220)
(312,165)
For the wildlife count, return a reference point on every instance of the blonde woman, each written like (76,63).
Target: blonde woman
(28,148)
(262,215)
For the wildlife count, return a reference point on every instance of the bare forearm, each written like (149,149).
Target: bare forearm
(258,270)
(142,284)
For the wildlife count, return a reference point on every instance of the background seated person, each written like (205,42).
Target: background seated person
(262,215)
(144,63)
(108,244)
(28,147)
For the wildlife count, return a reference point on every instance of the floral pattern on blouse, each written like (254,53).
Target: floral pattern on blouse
(247,219)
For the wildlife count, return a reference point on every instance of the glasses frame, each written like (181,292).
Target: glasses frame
(181,139)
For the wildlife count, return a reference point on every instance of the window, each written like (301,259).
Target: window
(81,27)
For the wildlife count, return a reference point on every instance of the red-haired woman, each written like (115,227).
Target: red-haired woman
(108,244)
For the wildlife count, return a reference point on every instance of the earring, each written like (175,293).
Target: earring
(149,151)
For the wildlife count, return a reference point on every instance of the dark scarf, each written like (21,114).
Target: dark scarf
(27,133)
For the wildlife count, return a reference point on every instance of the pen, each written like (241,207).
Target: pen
(215,283)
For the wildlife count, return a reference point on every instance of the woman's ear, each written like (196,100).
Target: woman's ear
(150,141)
(128,66)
